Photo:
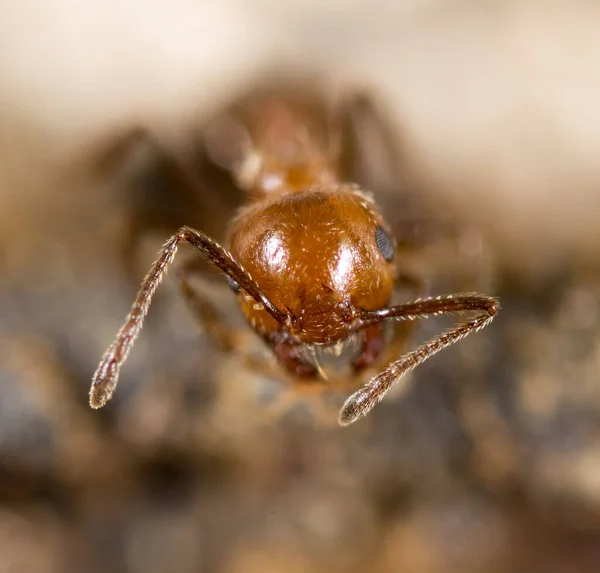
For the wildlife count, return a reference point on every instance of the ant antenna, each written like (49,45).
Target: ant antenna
(361,402)
(106,376)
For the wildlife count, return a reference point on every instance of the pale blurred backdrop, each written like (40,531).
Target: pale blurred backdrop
(500,98)
(491,465)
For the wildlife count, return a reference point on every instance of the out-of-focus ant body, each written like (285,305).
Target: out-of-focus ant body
(310,257)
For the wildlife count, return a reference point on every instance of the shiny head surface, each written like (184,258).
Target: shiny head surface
(319,255)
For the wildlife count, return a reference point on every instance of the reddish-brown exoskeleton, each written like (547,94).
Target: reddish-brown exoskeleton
(310,258)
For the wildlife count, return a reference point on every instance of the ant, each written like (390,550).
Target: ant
(309,258)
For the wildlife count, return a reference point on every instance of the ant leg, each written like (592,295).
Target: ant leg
(286,353)
(485,307)
(106,376)
(205,312)
(160,184)
(148,178)
(369,149)
(226,337)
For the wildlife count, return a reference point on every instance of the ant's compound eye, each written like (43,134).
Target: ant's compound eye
(385,244)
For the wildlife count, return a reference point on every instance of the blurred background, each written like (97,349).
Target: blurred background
(489,463)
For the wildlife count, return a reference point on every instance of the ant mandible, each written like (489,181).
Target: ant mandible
(310,259)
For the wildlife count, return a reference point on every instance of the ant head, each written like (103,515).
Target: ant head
(319,255)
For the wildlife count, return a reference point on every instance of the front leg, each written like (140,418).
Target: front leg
(205,311)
